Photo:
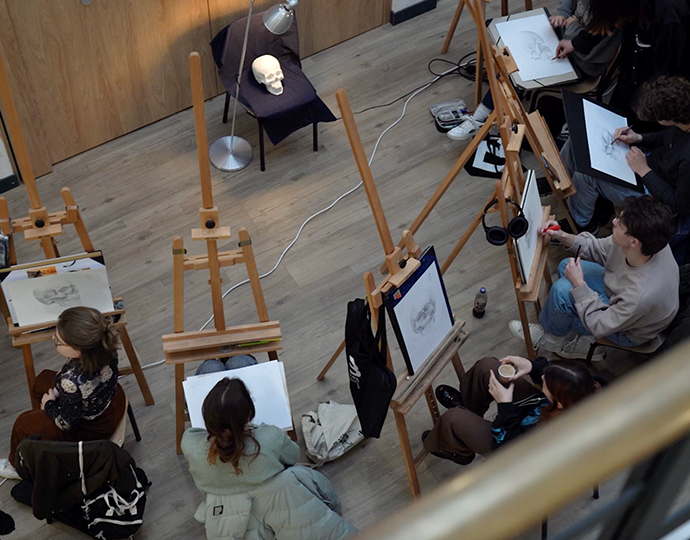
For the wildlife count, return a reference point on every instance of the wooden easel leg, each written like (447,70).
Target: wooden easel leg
(136,366)
(30,374)
(79,222)
(179,406)
(547,278)
(478,76)
(528,5)
(431,403)
(531,353)
(465,237)
(457,366)
(453,26)
(448,180)
(407,453)
(50,247)
(330,363)
(565,209)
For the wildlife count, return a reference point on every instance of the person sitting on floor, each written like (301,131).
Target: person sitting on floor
(665,171)
(462,432)
(626,290)
(249,473)
(592,39)
(83,401)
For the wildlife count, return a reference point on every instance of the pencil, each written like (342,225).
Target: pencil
(577,254)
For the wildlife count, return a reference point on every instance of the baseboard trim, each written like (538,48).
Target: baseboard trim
(8,183)
(417,9)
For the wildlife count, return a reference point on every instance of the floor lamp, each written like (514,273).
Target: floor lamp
(233,153)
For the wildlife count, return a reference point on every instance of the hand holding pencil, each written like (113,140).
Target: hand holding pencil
(626,135)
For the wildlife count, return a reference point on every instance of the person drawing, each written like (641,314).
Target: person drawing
(462,432)
(83,401)
(249,471)
(664,170)
(623,287)
(592,38)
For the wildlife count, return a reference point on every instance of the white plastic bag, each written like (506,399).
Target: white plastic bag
(330,431)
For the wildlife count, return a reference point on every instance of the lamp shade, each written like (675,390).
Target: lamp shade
(279,18)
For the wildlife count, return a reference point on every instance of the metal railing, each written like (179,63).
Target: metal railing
(636,418)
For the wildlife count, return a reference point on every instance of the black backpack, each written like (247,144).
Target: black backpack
(372,384)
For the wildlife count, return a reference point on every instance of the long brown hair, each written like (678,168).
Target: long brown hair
(227,411)
(568,382)
(605,15)
(89,332)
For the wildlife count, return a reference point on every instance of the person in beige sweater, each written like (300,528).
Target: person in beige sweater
(625,288)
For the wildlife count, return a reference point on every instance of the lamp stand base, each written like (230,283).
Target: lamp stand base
(224,159)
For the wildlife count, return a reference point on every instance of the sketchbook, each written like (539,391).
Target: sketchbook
(267,387)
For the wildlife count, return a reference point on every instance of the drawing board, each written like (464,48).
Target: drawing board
(420,312)
(527,245)
(591,127)
(267,387)
(532,41)
(39,292)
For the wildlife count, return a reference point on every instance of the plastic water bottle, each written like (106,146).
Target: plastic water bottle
(480,301)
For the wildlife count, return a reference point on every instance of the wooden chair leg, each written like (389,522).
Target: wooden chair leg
(133,421)
(261,145)
(227,107)
(316,137)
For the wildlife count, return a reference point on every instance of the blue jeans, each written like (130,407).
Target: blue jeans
(559,316)
(581,204)
(234,362)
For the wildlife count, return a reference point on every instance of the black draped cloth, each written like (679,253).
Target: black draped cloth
(298,106)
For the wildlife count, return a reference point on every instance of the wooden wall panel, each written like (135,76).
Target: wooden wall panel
(322,23)
(28,109)
(106,69)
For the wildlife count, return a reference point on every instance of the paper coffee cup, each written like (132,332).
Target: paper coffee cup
(506,371)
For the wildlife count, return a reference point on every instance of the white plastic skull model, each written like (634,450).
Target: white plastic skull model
(267,71)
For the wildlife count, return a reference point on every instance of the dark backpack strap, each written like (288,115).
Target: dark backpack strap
(381,340)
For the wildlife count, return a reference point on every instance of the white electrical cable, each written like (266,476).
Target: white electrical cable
(371,159)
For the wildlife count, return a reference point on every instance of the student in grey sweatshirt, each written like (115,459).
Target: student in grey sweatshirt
(624,289)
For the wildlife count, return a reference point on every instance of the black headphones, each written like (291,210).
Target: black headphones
(516,228)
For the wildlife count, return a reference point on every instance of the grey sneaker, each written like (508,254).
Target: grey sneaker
(578,347)
(466,130)
(541,339)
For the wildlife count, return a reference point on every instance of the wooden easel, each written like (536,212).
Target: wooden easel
(499,67)
(514,124)
(399,267)
(479,72)
(223,341)
(46,227)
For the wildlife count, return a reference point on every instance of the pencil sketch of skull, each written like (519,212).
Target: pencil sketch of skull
(62,293)
(535,47)
(606,141)
(422,319)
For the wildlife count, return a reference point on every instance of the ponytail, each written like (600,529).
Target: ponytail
(93,335)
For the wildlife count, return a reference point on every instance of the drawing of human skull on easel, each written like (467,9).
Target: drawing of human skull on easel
(64,294)
(422,319)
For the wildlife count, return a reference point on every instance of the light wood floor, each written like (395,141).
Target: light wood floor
(138,191)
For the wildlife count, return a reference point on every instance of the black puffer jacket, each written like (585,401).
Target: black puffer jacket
(53,468)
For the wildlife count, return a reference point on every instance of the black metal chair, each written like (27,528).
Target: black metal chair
(278,116)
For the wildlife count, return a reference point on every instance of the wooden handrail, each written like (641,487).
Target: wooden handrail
(518,486)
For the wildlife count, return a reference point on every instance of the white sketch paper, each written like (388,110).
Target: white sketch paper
(532,41)
(605,155)
(41,299)
(527,244)
(423,317)
(267,387)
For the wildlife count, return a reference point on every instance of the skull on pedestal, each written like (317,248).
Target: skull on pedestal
(267,71)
